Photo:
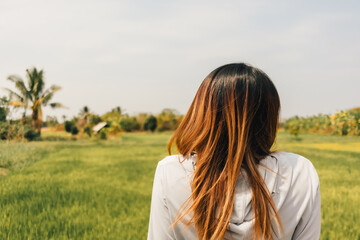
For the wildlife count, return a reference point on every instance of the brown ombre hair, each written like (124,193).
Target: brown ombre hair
(231,125)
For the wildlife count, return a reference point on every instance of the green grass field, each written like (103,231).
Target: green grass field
(89,189)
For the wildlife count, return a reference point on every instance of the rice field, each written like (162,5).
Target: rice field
(92,189)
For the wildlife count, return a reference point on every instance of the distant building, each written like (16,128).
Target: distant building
(99,126)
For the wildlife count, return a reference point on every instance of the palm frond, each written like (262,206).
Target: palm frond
(36,81)
(13,94)
(17,103)
(57,105)
(30,79)
(40,82)
(14,78)
(52,89)
(47,98)
(19,84)
(49,93)
(4,101)
(55,88)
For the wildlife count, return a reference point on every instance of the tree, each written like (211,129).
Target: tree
(2,115)
(168,119)
(33,95)
(141,118)
(113,115)
(150,123)
(68,125)
(84,114)
(94,119)
(4,108)
(129,124)
(117,109)
(113,118)
(74,130)
(88,131)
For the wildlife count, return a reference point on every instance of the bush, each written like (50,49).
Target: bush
(74,130)
(2,114)
(31,134)
(87,130)
(168,119)
(71,128)
(102,135)
(167,125)
(150,123)
(4,129)
(129,124)
(10,131)
(68,125)
(94,119)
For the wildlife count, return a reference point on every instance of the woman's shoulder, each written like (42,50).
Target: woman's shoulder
(296,172)
(296,191)
(171,159)
(298,164)
(286,160)
(174,173)
(294,167)
(291,158)
(178,162)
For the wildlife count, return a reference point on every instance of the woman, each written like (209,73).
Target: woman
(227,183)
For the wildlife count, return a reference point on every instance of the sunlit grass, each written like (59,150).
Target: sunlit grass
(91,189)
(347,146)
(82,190)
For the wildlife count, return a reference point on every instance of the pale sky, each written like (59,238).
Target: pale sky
(148,55)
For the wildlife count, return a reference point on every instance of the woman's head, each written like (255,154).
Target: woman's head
(234,101)
(231,125)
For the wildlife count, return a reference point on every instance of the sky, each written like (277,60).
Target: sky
(145,56)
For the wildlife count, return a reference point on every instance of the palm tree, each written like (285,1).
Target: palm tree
(33,95)
(84,117)
(84,114)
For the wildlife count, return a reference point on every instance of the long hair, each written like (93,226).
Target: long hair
(231,125)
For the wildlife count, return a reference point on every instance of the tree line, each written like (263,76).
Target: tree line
(114,121)
(342,123)
(33,95)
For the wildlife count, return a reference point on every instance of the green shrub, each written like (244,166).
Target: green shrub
(3,114)
(150,123)
(74,130)
(68,125)
(31,134)
(168,119)
(129,124)
(88,131)
(102,135)
(167,125)
(94,119)
(4,129)
(342,123)
(13,130)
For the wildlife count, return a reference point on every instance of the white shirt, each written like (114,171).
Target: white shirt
(293,183)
